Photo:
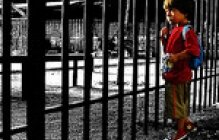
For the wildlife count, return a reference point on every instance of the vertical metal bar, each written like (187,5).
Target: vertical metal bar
(197,15)
(217,92)
(135,68)
(207,53)
(211,50)
(121,68)
(157,79)
(163,47)
(6,70)
(105,32)
(216,42)
(81,31)
(75,72)
(65,70)
(201,38)
(147,65)
(216,50)
(36,66)
(88,65)
(195,72)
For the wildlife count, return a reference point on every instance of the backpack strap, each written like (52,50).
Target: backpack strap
(186,28)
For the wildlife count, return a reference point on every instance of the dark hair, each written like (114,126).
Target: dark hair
(184,6)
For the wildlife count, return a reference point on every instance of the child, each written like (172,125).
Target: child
(177,53)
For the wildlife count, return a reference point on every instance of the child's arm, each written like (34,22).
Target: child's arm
(163,36)
(184,55)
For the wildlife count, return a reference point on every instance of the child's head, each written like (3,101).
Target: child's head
(183,8)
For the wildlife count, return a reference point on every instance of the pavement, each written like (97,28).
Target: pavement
(53,74)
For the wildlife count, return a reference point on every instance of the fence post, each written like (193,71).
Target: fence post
(104,35)
(65,70)
(36,70)
(120,75)
(6,70)
(75,72)
(157,80)
(88,65)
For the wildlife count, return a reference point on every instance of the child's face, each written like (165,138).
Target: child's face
(175,17)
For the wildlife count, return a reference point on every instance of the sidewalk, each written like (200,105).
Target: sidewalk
(208,121)
(53,74)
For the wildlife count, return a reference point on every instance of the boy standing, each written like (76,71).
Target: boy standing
(177,53)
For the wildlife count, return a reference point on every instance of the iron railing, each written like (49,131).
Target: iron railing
(204,87)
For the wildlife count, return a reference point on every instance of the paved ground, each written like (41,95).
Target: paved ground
(53,75)
(208,121)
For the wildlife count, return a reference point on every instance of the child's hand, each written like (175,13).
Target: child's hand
(184,55)
(173,58)
(163,36)
(164,32)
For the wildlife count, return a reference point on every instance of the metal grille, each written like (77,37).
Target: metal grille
(142,101)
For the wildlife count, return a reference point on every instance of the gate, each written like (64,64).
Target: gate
(113,114)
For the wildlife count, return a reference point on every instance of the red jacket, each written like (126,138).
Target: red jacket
(181,72)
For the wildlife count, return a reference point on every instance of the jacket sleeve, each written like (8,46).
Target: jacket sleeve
(191,43)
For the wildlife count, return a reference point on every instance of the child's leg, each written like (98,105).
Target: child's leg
(181,133)
(181,124)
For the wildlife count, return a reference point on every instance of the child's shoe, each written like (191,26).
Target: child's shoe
(180,135)
(190,127)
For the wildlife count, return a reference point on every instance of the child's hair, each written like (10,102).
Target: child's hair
(184,6)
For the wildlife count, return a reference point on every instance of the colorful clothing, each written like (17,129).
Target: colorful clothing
(178,77)
(181,72)
(177,100)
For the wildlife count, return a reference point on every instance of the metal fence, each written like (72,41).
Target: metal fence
(145,102)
